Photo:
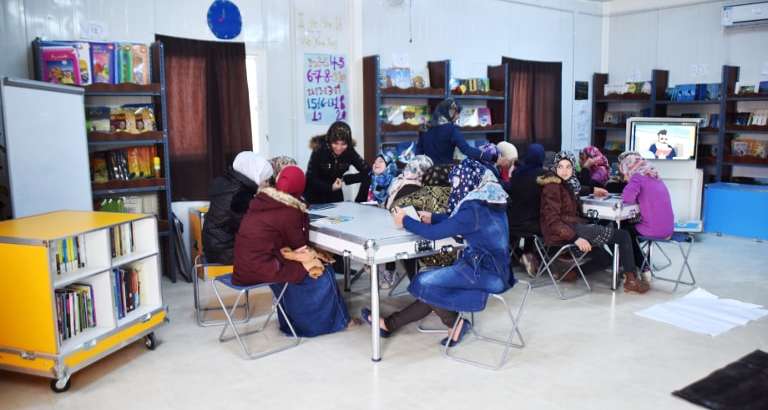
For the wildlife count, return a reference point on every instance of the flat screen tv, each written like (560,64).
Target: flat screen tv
(663,138)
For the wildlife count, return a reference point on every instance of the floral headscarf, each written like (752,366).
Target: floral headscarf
(280,162)
(474,181)
(412,175)
(573,181)
(632,163)
(600,169)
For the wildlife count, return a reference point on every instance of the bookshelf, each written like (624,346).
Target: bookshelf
(714,154)
(643,103)
(38,338)
(105,142)
(376,132)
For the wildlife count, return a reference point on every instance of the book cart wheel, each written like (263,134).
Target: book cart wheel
(150,341)
(60,385)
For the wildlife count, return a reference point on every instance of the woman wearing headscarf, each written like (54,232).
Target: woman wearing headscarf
(410,180)
(230,195)
(383,172)
(476,212)
(595,169)
(442,136)
(523,206)
(561,223)
(272,245)
(278,163)
(645,189)
(332,155)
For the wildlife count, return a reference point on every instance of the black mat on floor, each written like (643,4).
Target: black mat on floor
(742,385)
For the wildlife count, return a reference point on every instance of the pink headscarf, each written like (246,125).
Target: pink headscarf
(632,163)
(599,169)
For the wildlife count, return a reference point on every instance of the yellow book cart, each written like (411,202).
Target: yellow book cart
(76,286)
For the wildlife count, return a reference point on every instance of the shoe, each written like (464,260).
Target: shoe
(387,279)
(646,276)
(531,263)
(633,284)
(365,314)
(466,327)
(571,276)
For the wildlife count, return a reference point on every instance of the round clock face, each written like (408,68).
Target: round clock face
(224,19)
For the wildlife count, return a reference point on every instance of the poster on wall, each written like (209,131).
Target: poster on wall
(325,88)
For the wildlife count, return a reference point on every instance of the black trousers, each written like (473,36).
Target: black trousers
(600,259)
(417,310)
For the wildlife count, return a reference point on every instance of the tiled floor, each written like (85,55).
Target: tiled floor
(591,352)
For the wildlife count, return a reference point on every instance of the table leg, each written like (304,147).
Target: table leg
(347,266)
(615,279)
(375,314)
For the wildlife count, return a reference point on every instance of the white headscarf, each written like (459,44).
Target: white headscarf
(253,166)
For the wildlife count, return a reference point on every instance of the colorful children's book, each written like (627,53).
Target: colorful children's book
(103,60)
(398,77)
(140,64)
(124,63)
(60,65)
(83,56)
(484,115)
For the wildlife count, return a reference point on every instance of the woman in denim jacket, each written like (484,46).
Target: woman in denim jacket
(477,213)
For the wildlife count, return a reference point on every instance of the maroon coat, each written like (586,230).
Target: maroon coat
(559,210)
(274,220)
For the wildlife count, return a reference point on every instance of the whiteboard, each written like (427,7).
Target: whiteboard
(46,147)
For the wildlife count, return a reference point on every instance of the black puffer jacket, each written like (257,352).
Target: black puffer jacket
(324,168)
(230,195)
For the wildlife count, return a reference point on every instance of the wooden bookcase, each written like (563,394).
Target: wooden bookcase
(31,341)
(126,93)
(377,133)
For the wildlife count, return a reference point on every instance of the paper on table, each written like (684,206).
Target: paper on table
(411,212)
(703,312)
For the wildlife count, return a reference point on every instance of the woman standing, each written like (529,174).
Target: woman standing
(332,155)
(443,136)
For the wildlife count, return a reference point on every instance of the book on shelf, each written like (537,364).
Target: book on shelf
(135,204)
(762,87)
(714,120)
(133,63)
(399,77)
(126,290)
(420,78)
(122,239)
(746,88)
(131,118)
(742,118)
(69,254)
(703,119)
(474,116)
(85,63)
(745,147)
(758,118)
(103,60)
(124,164)
(404,114)
(635,87)
(75,310)
(472,85)
(619,117)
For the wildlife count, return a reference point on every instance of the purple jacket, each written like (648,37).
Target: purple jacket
(657,218)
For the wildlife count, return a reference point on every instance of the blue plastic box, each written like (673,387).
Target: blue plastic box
(736,209)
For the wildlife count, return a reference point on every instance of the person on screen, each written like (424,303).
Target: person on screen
(661,149)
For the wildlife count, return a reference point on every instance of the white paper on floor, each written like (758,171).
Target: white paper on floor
(702,312)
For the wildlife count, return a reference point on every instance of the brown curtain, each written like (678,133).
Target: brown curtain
(535,103)
(208,111)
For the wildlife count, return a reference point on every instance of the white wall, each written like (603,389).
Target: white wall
(268,26)
(477,35)
(688,40)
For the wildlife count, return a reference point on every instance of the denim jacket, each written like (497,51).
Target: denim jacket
(483,267)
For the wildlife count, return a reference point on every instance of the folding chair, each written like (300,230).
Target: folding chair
(226,280)
(646,243)
(546,262)
(208,272)
(508,343)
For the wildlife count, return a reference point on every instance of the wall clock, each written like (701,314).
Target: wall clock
(224,19)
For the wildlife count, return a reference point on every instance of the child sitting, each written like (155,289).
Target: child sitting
(383,172)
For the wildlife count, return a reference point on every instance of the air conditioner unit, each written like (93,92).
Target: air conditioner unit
(745,14)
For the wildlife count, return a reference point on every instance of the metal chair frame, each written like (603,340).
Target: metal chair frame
(646,244)
(508,343)
(230,323)
(547,261)
(199,310)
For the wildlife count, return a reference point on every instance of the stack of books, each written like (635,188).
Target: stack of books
(75,310)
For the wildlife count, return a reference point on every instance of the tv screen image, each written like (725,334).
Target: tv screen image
(667,140)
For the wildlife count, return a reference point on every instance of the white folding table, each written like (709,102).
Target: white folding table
(367,234)
(611,208)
